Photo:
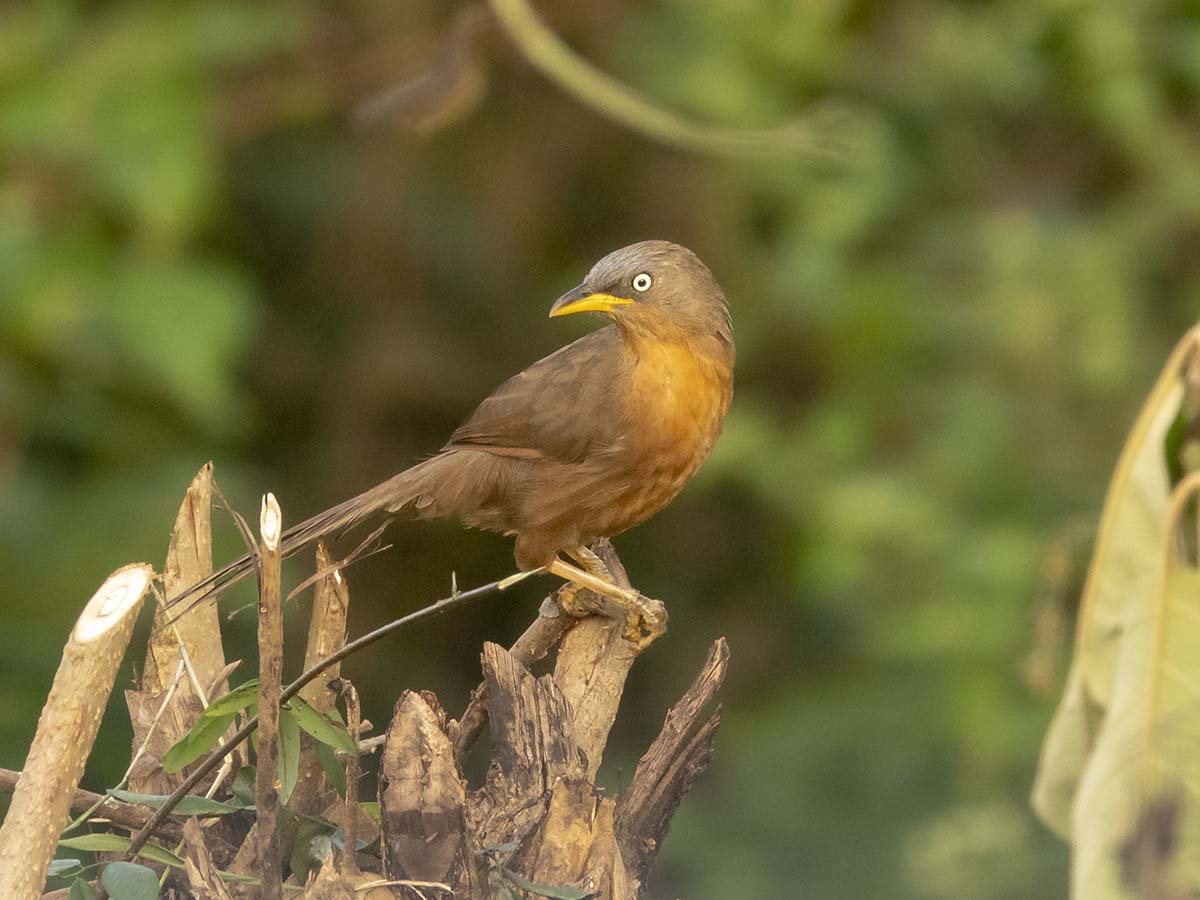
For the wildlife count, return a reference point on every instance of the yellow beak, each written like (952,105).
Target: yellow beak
(580,300)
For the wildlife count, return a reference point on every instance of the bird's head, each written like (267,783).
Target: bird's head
(655,287)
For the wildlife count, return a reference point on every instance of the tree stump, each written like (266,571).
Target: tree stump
(540,819)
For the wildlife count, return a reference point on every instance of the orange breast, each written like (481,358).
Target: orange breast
(676,402)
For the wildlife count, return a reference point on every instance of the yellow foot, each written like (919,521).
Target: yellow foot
(645,619)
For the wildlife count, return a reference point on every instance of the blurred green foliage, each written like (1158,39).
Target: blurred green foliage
(941,345)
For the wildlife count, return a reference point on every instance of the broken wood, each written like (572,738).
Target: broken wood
(194,640)
(189,560)
(198,864)
(534,643)
(667,771)
(423,798)
(66,731)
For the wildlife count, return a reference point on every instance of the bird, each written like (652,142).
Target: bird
(585,443)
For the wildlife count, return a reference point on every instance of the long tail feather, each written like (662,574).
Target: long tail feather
(391,497)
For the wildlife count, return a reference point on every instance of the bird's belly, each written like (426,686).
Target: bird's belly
(678,401)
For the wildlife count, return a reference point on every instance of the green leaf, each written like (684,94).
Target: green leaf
(61,867)
(209,726)
(200,740)
(289,754)
(129,881)
(371,808)
(332,767)
(119,843)
(312,846)
(238,878)
(322,729)
(243,787)
(553,891)
(236,700)
(188,806)
(81,889)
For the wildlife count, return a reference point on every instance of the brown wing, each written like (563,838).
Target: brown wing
(560,408)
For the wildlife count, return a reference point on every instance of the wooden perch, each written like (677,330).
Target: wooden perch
(270,675)
(586,671)
(540,816)
(66,731)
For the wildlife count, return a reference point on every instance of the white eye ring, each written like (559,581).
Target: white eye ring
(642,281)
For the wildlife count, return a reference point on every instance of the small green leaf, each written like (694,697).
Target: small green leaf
(236,700)
(238,878)
(129,881)
(188,806)
(332,767)
(202,738)
(61,867)
(243,787)
(81,889)
(119,843)
(289,754)
(322,729)
(371,808)
(553,891)
(312,846)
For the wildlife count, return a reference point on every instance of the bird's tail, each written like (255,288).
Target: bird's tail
(391,497)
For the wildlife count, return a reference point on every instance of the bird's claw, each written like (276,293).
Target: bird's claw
(645,619)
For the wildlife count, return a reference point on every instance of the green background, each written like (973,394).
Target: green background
(205,253)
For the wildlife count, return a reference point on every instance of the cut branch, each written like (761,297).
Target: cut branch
(166,705)
(66,731)
(270,673)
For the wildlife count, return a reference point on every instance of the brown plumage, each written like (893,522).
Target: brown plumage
(587,442)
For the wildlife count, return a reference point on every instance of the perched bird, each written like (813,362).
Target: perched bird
(585,443)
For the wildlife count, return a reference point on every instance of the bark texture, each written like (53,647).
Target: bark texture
(539,816)
(198,635)
(66,731)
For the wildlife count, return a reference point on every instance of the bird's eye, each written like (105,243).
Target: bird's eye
(642,281)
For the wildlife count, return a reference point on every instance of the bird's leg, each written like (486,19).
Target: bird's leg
(592,564)
(645,620)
